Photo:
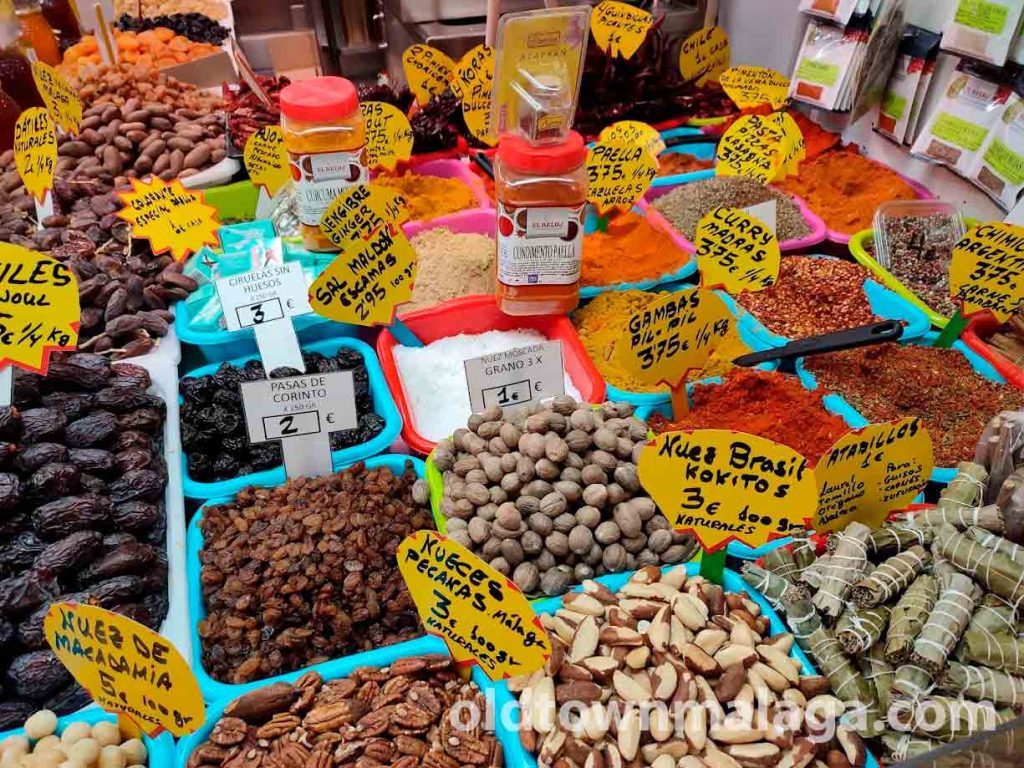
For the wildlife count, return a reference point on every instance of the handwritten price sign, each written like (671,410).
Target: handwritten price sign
(35,151)
(737,252)
(388,134)
(633,132)
(752,146)
(266,159)
(360,211)
(723,486)
(753,86)
(987,270)
(171,217)
(474,82)
(60,98)
(427,70)
(618,175)
(619,29)
(794,149)
(704,56)
(480,614)
(871,472)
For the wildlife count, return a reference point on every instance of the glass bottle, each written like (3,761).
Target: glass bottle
(63,18)
(541,193)
(326,141)
(16,71)
(36,32)
(9,113)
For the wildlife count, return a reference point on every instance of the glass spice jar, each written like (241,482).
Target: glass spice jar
(326,143)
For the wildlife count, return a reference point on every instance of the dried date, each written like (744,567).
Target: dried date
(36,675)
(72,513)
(98,428)
(70,553)
(43,425)
(11,494)
(22,594)
(96,461)
(127,559)
(53,481)
(32,457)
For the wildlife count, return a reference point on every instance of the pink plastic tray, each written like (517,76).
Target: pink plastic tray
(814,222)
(923,193)
(477,221)
(454,169)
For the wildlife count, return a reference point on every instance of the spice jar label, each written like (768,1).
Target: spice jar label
(301,412)
(126,668)
(618,175)
(266,159)
(171,217)
(704,56)
(727,486)
(359,211)
(60,98)
(35,151)
(749,86)
(473,83)
(41,308)
(516,376)
(634,132)
(427,70)
(388,134)
(479,613)
(871,472)
(668,338)
(987,270)
(619,29)
(737,252)
(752,146)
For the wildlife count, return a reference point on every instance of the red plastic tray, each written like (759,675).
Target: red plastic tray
(981,326)
(478,314)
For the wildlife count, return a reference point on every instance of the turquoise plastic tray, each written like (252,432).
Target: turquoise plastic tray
(839,405)
(383,405)
(161,749)
(214,690)
(700,151)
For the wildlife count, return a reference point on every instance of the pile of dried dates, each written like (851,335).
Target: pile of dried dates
(213,433)
(407,715)
(82,516)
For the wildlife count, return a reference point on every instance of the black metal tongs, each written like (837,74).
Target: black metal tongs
(863,336)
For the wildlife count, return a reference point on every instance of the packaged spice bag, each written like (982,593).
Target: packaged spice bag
(824,65)
(999,167)
(983,29)
(923,89)
(969,109)
(897,105)
(838,11)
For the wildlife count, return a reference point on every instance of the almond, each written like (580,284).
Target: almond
(690,761)
(542,707)
(711,640)
(730,683)
(638,657)
(649,574)
(556,660)
(617,617)
(679,636)
(675,578)
(595,720)
(570,672)
(773,679)
(640,609)
(552,746)
(695,727)
(732,732)
(599,592)
(742,634)
(691,611)
(663,761)
(628,739)
(612,756)
(577,690)
(736,654)
(584,643)
(660,629)
(660,724)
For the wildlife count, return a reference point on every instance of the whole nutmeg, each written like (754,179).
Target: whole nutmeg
(622,410)
(500,531)
(537,423)
(510,434)
(575,461)
(498,494)
(557,423)
(593,557)
(588,516)
(565,522)
(577,440)
(479,530)
(677,553)
(491,548)
(553,504)
(539,488)
(532,445)
(541,523)
(476,476)
(563,404)
(659,541)
(573,475)
(488,511)
(604,460)
(628,519)
(526,468)
(526,577)
(455,524)
(593,475)
(555,448)
(474,444)
(614,558)
(595,496)
(489,429)
(657,523)
(460,536)
(463,508)
(635,545)
(421,492)
(446,446)
(605,439)
(528,504)
(647,557)
(637,430)
(548,470)
(500,564)
(474,422)
(557,543)
(637,450)
(508,462)
(607,533)
(582,572)
(443,460)
(511,483)
(571,491)
(582,419)
(459,438)
(509,516)
(555,581)
(616,494)
(626,476)
(465,464)
(532,542)
(496,446)
(512,551)
(477,494)
(581,539)
(623,448)
(545,560)
(645,507)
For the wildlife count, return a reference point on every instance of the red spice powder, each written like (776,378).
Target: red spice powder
(763,403)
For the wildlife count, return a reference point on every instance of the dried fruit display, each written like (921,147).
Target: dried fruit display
(194,26)
(404,715)
(81,516)
(306,572)
(247,112)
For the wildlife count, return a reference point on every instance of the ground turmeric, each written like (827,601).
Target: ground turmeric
(429,197)
(629,251)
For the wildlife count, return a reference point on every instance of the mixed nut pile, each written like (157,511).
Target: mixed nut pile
(116,84)
(550,496)
(399,716)
(78,745)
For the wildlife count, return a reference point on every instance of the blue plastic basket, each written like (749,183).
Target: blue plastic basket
(383,405)
(214,690)
(700,151)
(161,750)
(838,404)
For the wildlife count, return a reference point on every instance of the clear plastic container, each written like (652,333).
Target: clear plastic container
(945,222)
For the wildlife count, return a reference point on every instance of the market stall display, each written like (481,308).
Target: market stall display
(194,26)
(158,47)
(247,112)
(632,250)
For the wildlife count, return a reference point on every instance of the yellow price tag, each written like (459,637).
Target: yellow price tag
(388,134)
(633,132)
(359,211)
(35,151)
(727,486)
(752,146)
(871,472)
(618,175)
(704,56)
(661,343)
(427,70)
(126,668)
(619,29)
(172,218)
(987,270)
(479,613)
(753,86)
(60,98)
(737,252)
(41,310)
(473,83)
(266,159)
(794,147)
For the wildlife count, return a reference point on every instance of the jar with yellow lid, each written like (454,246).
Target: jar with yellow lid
(326,142)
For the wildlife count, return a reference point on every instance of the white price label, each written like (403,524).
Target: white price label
(766,212)
(301,412)
(263,295)
(515,377)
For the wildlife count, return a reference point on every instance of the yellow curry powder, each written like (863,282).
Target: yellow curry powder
(429,197)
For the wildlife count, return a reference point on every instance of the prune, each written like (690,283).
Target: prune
(142,419)
(7,633)
(70,553)
(43,425)
(317,363)
(236,446)
(74,405)
(19,552)
(32,457)
(11,493)
(227,398)
(72,513)
(225,465)
(36,675)
(10,422)
(197,388)
(52,481)
(221,421)
(200,467)
(80,371)
(137,484)
(98,428)
(265,455)
(14,713)
(68,699)
(22,594)
(348,359)
(92,484)
(130,375)
(121,399)
(284,372)
(94,460)
(253,370)
(127,559)
(132,439)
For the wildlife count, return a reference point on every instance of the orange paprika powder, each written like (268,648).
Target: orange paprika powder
(630,250)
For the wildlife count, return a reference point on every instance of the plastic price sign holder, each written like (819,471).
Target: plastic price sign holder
(266,300)
(266,162)
(35,157)
(618,176)
(301,412)
(986,273)
(127,668)
(515,377)
(40,313)
(175,220)
(871,472)
(737,252)
(482,616)
(704,56)
(723,486)
(619,29)
(376,267)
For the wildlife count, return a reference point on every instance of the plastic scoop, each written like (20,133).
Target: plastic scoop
(862,336)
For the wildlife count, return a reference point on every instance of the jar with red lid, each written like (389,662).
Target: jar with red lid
(541,192)
(326,143)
